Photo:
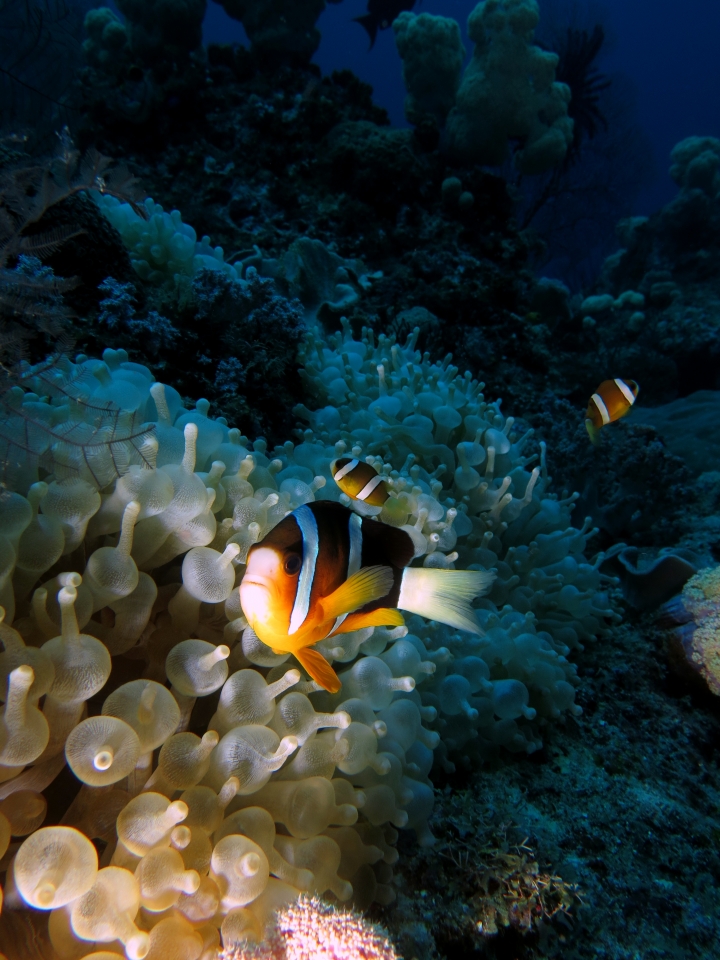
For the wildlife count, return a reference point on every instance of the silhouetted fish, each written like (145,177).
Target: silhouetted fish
(381,14)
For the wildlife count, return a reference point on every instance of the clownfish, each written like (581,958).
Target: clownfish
(611,401)
(360,481)
(324,570)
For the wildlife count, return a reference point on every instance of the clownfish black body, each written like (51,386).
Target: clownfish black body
(611,401)
(324,570)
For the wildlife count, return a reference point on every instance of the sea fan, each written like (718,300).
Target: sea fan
(34,321)
(578,51)
(40,49)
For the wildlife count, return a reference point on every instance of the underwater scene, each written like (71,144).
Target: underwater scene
(359,480)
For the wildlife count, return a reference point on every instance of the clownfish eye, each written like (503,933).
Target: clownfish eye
(292,564)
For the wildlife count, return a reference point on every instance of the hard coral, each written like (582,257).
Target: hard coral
(310,929)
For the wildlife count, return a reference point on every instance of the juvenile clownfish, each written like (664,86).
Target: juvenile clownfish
(360,481)
(324,570)
(611,401)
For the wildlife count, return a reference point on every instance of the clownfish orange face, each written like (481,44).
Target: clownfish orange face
(270,585)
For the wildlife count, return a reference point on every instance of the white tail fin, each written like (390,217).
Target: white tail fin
(444,595)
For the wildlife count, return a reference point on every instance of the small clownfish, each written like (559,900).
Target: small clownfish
(324,570)
(611,401)
(360,481)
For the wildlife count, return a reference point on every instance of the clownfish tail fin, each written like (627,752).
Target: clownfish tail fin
(444,595)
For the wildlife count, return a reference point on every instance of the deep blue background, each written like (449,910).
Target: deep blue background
(669,49)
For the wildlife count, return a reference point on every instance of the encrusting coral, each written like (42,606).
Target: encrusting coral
(694,616)
(119,570)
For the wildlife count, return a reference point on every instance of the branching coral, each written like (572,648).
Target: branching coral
(515,892)
(162,247)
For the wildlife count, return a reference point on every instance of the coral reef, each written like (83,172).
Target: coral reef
(216,782)
(622,802)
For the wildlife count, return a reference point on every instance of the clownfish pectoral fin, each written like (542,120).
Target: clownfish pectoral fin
(319,669)
(593,432)
(382,617)
(368,584)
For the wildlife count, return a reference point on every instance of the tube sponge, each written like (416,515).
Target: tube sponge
(509,92)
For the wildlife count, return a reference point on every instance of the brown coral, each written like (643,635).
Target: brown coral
(695,638)
(515,892)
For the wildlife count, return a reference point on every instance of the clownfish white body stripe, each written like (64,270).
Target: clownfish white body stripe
(311,545)
(324,570)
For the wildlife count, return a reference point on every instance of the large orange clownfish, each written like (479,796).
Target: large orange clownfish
(611,401)
(324,570)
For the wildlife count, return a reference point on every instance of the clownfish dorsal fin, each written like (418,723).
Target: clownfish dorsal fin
(319,669)
(382,617)
(368,584)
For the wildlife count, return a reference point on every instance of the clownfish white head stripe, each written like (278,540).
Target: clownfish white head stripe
(311,546)
(344,471)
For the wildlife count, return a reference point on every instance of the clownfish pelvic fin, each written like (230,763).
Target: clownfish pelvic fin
(593,433)
(444,595)
(319,669)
